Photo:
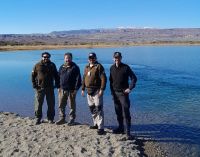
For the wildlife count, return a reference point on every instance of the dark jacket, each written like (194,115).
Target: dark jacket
(70,77)
(119,78)
(44,75)
(94,78)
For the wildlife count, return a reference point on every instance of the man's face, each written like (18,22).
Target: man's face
(46,58)
(68,59)
(117,60)
(92,60)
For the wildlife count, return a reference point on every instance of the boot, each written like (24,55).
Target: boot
(37,121)
(71,122)
(128,133)
(61,121)
(119,130)
(50,121)
(100,132)
(94,127)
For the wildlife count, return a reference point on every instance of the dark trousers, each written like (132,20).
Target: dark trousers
(122,106)
(39,100)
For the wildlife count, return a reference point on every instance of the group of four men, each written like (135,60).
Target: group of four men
(68,80)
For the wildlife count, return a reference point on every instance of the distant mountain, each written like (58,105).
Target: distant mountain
(118,35)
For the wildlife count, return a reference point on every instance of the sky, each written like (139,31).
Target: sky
(45,16)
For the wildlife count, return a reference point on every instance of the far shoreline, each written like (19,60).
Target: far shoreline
(9,48)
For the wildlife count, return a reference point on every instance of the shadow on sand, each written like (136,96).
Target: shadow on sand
(167,133)
(164,133)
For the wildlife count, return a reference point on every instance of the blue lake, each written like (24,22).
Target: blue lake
(165,103)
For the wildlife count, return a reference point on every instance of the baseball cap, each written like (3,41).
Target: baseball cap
(92,55)
(46,53)
(117,54)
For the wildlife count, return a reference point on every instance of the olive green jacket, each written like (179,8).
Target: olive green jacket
(44,75)
(94,78)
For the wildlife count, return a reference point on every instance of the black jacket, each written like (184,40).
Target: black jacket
(44,75)
(70,77)
(119,78)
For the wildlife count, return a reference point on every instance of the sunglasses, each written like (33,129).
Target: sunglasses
(91,58)
(116,57)
(46,57)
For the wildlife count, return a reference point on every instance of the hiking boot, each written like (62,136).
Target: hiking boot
(61,121)
(118,130)
(37,122)
(129,137)
(128,134)
(71,122)
(50,121)
(100,132)
(94,127)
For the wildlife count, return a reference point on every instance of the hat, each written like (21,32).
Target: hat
(92,55)
(117,54)
(46,53)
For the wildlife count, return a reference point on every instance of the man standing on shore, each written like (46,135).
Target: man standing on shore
(70,82)
(120,89)
(94,80)
(43,76)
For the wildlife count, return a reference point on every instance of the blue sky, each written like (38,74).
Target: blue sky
(44,16)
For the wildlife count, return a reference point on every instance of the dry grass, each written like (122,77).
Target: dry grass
(98,45)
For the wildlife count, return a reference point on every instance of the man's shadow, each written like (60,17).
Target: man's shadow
(167,133)
(163,133)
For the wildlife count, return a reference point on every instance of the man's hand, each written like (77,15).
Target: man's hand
(75,91)
(37,87)
(59,90)
(100,93)
(82,93)
(127,91)
(59,95)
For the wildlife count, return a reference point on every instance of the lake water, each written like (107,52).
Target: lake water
(165,103)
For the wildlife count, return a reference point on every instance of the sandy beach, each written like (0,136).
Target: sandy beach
(19,136)
(10,48)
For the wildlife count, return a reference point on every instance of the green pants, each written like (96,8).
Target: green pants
(39,100)
(63,97)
